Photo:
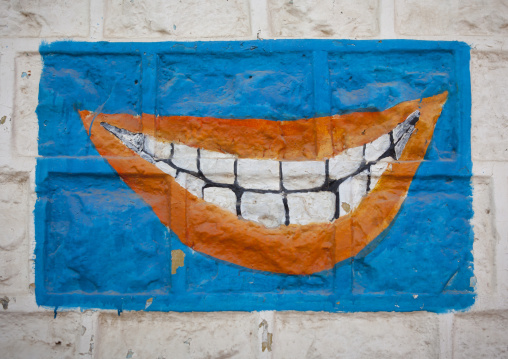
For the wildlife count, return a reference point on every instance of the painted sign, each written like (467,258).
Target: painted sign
(287,175)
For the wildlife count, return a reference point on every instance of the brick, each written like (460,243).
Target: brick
(379,335)
(14,214)
(435,17)
(25,124)
(342,18)
(484,241)
(480,335)
(489,119)
(39,335)
(43,18)
(188,19)
(169,335)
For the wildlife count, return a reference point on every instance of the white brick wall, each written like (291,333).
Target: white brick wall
(28,331)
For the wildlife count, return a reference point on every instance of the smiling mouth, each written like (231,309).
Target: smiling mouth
(291,197)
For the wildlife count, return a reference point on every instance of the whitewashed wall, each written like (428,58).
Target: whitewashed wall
(27,331)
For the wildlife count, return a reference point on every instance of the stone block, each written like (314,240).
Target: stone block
(480,335)
(168,335)
(489,119)
(44,18)
(25,126)
(14,215)
(484,247)
(189,19)
(470,17)
(39,335)
(379,335)
(342,19)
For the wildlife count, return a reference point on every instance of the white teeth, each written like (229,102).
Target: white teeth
(258,174)
(217,167)
(309,207)
(264,208)
(298,201)
(377,148)
(351,192)
(185,157)
(377,169)
(222,197)
(345,163)
(190,183)
(162,150)
(164,167)
(149,145)
(303,175)
(399,147)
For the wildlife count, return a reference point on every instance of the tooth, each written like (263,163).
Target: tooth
(162,150)
(346,163)
(264,208)
(222,197)
(351,192)
(190,183)
(217,167)
(377,148)
(303,175)
(149,145)
(376,170)
(399,147)
(185,157)
(403,127)
(164,167)
(258,174)
(157,149)
(309,207)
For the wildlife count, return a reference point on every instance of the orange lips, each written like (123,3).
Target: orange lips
(293,248)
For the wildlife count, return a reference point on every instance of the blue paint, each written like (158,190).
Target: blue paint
(100,246)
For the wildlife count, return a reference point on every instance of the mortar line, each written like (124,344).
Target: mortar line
(259,22)
(96,30)
(386,16)
(445,335)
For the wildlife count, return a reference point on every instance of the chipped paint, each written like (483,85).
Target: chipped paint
(177,260)
(2,120)
(5,302)
(266,337)
(149,302)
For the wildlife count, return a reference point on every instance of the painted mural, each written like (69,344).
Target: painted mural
(287,175)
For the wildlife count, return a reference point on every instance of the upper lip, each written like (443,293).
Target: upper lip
(222,235)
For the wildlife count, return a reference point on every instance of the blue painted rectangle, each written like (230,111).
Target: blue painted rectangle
(99,245)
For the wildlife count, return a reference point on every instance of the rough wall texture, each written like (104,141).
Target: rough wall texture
(28,331)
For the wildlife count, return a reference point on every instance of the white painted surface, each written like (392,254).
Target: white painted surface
(217,167)
(258,174)
(164,167)
(176,19)
(192,184)
(377,148)
(300,175)
(311,207)
(346,163)
(336,19)
(185,157)
(351,192)
(222,197)
(264,208)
